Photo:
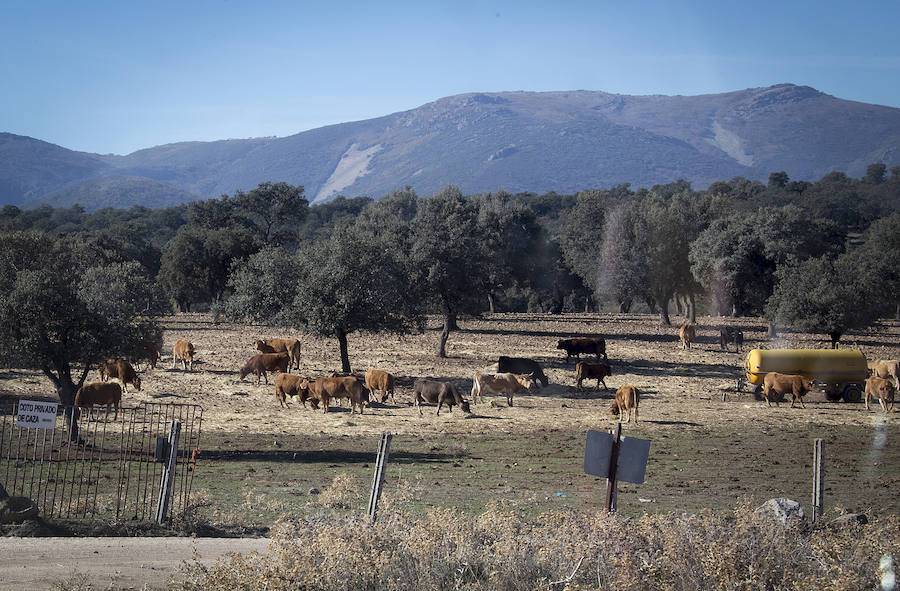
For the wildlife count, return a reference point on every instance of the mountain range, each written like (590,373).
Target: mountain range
(512,141)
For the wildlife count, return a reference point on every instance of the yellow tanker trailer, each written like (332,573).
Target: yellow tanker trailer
(842,371)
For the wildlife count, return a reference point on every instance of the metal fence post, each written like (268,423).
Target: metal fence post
(168,477)
(818,477)
(378,480)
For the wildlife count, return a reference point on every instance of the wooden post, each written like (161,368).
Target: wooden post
(168,477)
(818,477)
(613,464)
(378,480)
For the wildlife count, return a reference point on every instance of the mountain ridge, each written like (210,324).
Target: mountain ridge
(562,141)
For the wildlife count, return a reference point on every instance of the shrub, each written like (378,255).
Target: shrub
(505,550)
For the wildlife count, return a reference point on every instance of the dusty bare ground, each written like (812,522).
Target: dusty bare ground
(107,563)
(706,452)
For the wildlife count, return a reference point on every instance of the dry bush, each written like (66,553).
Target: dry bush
(340,494)
(505,550)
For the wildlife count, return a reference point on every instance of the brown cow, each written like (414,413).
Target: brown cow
(381,381)
(185,351)
(99,394)
(506,383)
(147,351)
(886,369)
(687,333)
(581,345)
(290,385)
(776,385)
(626,403)
(260,364)
(588,371)
(289,346)
(882,389)
(433,391)
(121,370)
(327,389)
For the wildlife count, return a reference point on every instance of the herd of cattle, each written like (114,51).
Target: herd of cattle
(515,374)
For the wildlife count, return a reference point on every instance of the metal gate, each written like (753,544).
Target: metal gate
(107,468)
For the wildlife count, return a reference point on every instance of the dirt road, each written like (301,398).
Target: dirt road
(107,563)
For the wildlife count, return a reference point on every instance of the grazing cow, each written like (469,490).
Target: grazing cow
(882,389)
(585,345)
(687,333)
(886,369)
(381,381)
(121,370)
(185,351)
(327,389)
(728,335)
(588,371)
(99,394)
(260,364)
(776,385)
(522,365)
(507,383)
(626,403)
(433,391)
(289,346)
(290,385)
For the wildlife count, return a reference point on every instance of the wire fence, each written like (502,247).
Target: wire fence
(99,465)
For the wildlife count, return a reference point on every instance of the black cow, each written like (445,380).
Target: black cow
(731,335)
(433,391)
(522,365)
(587,345)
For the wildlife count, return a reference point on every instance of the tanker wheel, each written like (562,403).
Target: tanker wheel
(757,392)
(833,392)
(852,393)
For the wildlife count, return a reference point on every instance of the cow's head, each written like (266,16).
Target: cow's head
(562,344)
(464,405)
(527,381)
(245,370)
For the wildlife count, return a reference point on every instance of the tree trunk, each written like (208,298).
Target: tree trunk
(652,305)
(663,304)
(772,333)
(897,313)
(451,319)
(491,302)
(692,309)
(625,306)
(835,340)
(66,389)
(342,344)
(445,334)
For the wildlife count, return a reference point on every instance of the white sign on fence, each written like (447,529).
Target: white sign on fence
(633,456)
(36,415)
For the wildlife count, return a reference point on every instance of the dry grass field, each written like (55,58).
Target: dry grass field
(259,461)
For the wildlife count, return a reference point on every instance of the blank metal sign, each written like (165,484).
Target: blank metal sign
(633,456)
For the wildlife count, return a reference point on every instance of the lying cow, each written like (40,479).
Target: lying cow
(507,383)
(587,345)
(731,335)
(433,391)
(626,403)
(777,385)
(260,364)
(882,389)
(886,369)
(99,394)
(522,365)
(687,333)
(121,370)
(289,346)
(327,389)
(380,381)
(185,351)
(585,370)
(290,385)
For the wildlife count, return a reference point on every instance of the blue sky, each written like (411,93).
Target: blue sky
(114,77)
